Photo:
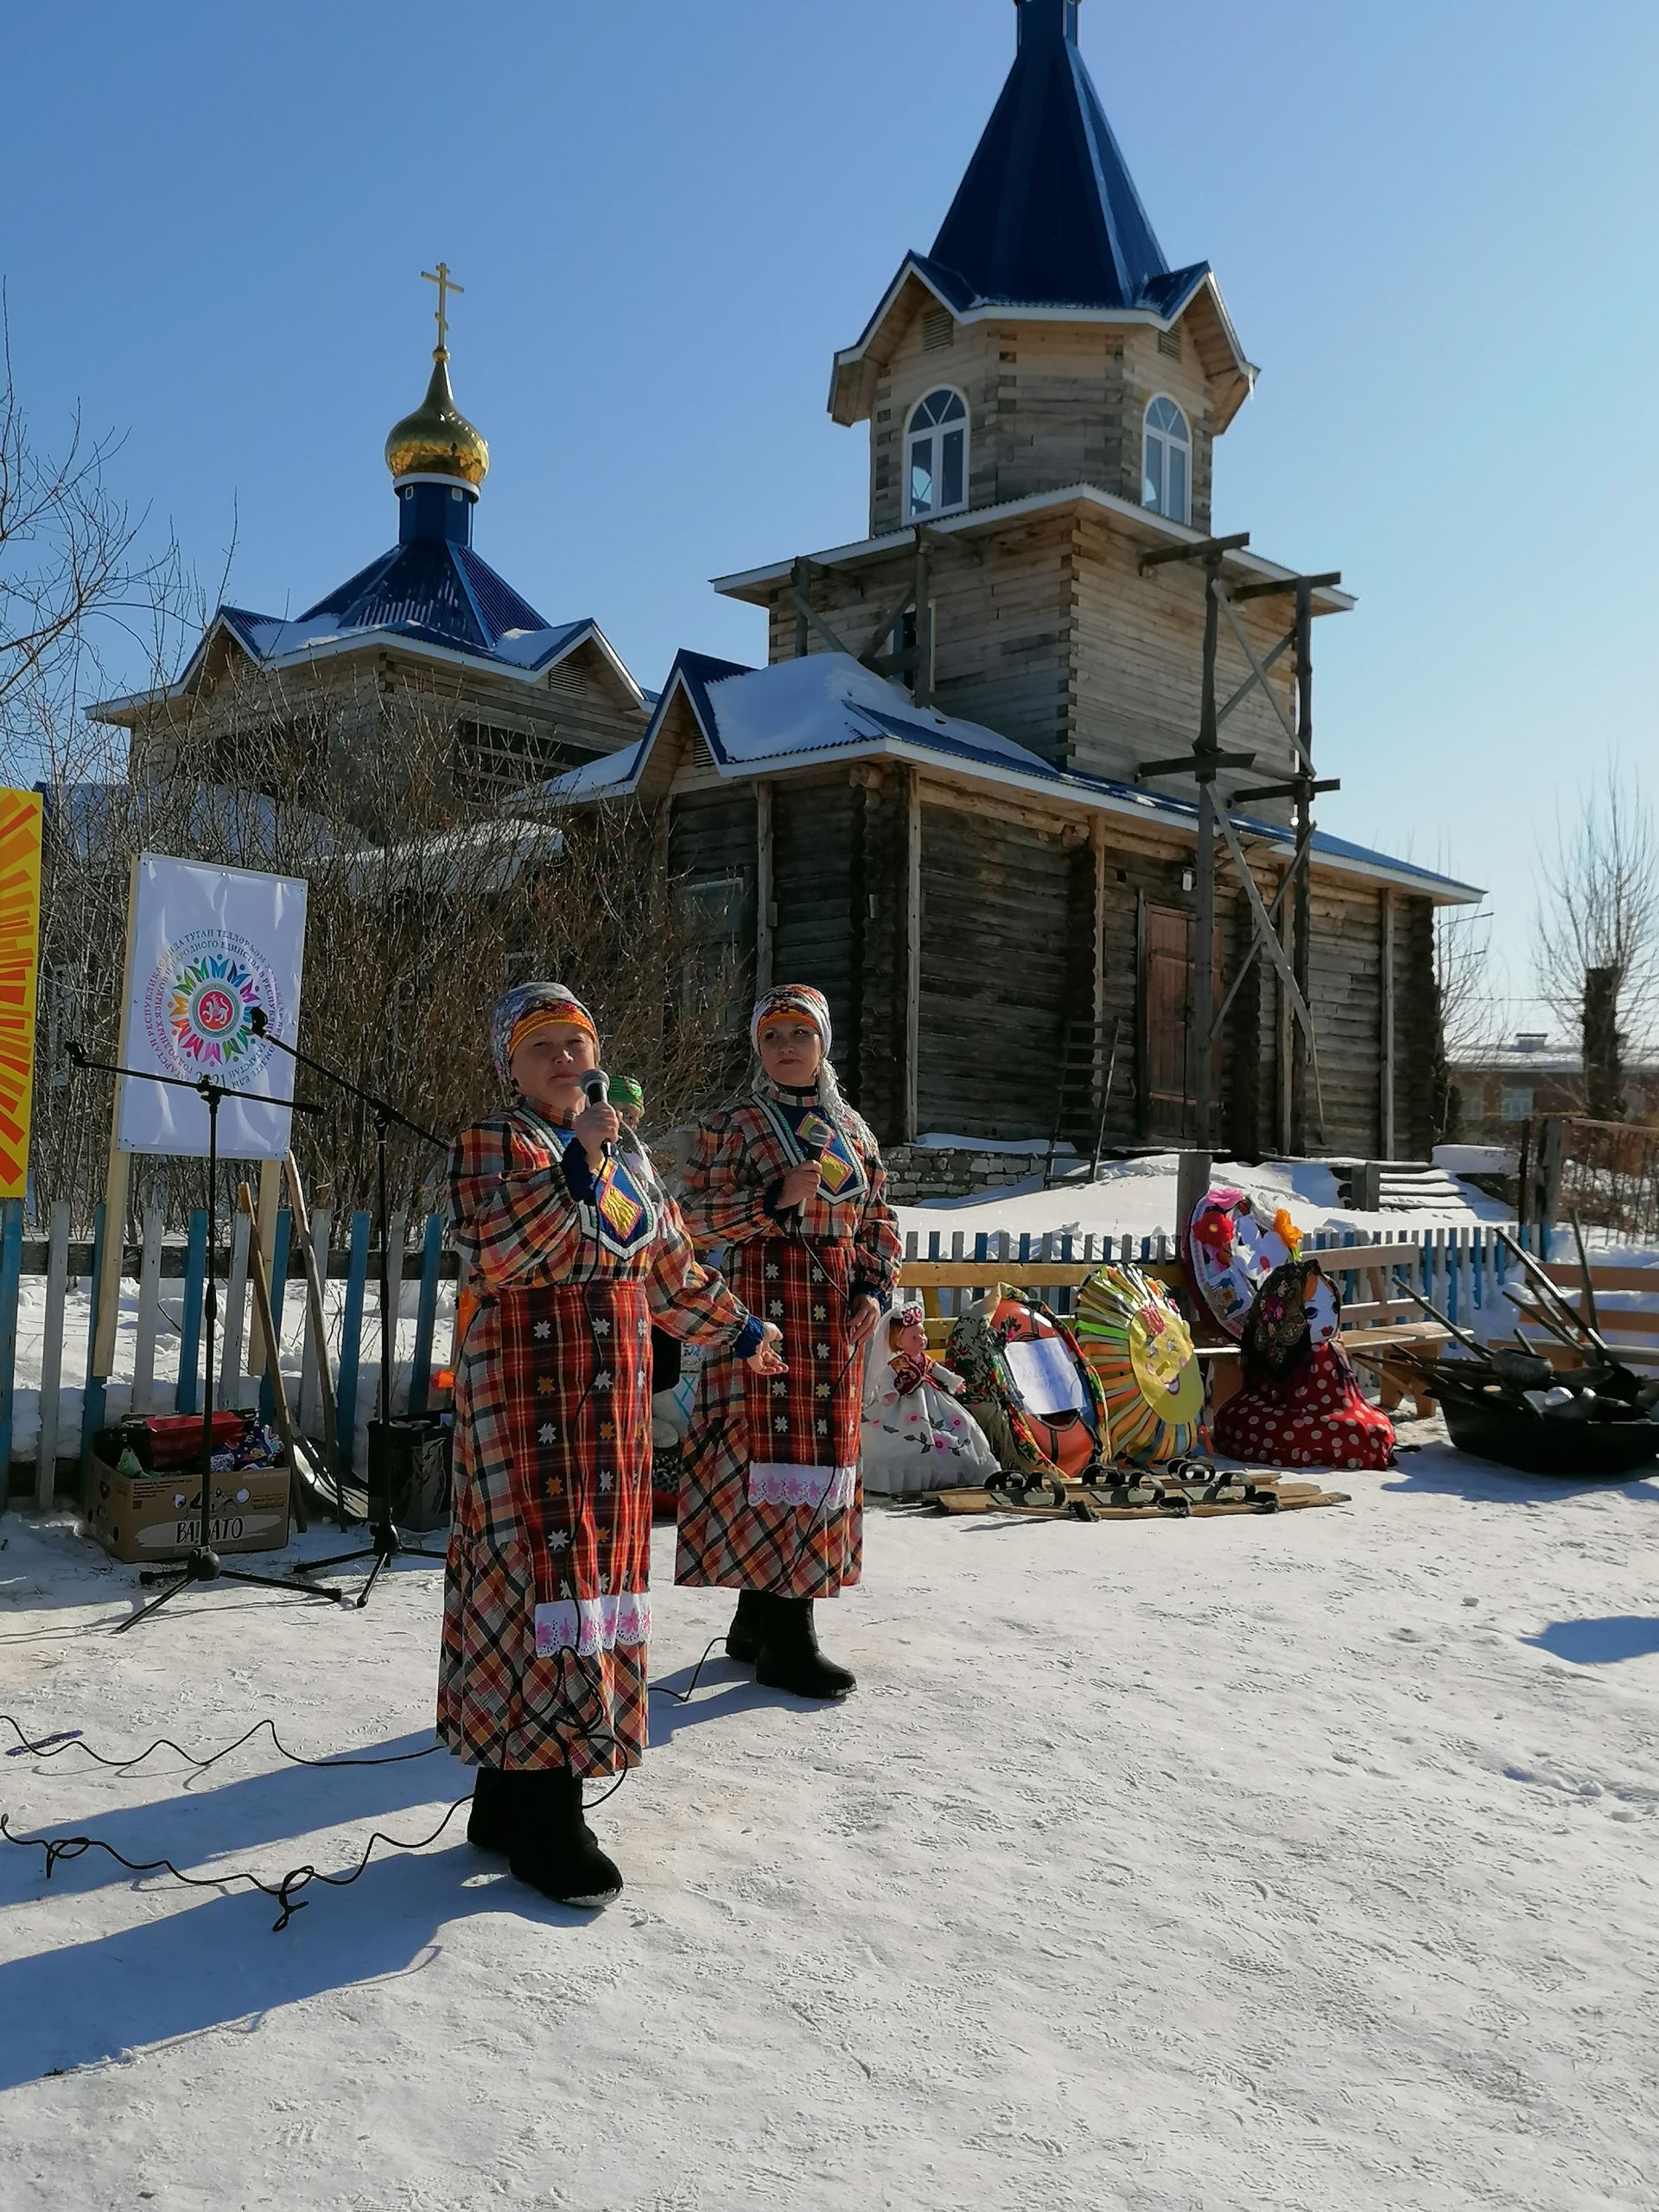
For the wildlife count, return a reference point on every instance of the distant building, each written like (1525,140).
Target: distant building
(1498,1091)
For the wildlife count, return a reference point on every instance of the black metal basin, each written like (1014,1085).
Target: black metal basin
(1536,1445)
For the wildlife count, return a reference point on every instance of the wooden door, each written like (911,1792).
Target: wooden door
(1166,1004)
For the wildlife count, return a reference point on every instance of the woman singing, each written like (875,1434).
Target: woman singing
(576,1251)
(790,1181)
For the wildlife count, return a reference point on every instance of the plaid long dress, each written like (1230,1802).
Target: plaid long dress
(770,1493)
(547,1609)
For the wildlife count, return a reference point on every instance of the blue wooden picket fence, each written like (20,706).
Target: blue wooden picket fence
(354,1321)
(1461,1269)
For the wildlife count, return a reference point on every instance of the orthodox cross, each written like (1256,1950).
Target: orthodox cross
(446,284)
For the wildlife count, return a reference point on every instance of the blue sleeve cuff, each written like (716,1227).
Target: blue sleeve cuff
(578,1175)
(753,1336)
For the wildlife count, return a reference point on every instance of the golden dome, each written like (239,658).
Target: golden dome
(437,440)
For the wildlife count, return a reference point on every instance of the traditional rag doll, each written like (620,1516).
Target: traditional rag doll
(1301,1405)
(915,1437)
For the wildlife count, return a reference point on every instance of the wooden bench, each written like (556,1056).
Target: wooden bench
(1373,1325)
(1633,1335)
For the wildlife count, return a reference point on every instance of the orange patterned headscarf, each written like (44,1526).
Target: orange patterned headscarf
(793,998)
(528,1007)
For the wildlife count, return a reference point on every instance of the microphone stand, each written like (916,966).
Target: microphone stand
(201,1563)
(386,1541)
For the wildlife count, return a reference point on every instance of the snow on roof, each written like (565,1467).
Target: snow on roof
(823,704)
(828,700)
(530,648)
(591,778)
(1546,1059)
(475,857)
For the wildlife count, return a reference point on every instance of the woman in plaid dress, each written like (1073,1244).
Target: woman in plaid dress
(789,1181)
(575,1251)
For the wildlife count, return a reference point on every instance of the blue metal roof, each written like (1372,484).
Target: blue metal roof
(427,591)
(1047,214)
(443,591)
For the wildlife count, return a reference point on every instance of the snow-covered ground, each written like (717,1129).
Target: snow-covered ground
(1136,1197)
(1217,1867)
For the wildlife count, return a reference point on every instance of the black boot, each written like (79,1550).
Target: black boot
(790,1658)
(748,1630)
(487,1825)
(550,1846)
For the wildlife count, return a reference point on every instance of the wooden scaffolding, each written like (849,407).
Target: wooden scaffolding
(1301,1102)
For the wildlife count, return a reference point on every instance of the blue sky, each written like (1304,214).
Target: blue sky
(1431,222)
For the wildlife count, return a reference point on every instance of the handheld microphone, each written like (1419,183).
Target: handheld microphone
(596,1089)
(257,1020)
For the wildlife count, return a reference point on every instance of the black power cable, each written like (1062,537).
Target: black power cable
(285,1892)
(53,1746)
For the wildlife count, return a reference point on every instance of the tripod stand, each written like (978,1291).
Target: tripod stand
(386,1541)
(201,1563)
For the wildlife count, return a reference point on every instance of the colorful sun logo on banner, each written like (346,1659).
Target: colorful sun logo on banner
(208,1010)
(200,1003)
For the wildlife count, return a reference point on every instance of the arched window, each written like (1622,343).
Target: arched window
(936,455)
(1167,465)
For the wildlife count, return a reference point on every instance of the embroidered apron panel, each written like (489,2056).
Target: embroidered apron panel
(809,1418)
(577,1371)
(627,1207)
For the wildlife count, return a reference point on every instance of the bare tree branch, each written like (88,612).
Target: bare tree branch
(422,906)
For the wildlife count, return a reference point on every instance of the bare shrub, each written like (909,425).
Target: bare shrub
(422,907)
(1597,930)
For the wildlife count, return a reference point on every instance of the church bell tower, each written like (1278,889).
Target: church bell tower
(1044,340)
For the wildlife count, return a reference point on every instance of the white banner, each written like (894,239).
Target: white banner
(206,946)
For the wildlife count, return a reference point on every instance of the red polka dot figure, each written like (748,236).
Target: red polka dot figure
(1301,1404)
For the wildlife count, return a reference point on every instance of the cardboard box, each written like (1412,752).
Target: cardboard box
(144,1518)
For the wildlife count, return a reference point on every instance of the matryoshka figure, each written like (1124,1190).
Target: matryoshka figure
(916,1438)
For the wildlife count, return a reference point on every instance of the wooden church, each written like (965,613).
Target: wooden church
(426,626)
(982,794)
(934,804)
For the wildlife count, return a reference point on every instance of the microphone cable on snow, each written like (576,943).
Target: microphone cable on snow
(284,1893)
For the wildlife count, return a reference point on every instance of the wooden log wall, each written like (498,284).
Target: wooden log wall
(577,710)
(1024,926)
(711,840)
(1049,406)
(1002,626)
(815,829)
(997,973)
(874,1064)
(1346,1000)
(1416,1021)
(1048,632)
(1135,665)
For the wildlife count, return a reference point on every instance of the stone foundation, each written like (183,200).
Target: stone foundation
(917,1172)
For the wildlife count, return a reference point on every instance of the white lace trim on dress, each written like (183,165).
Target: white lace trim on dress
(585,1625)
(779,1483)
